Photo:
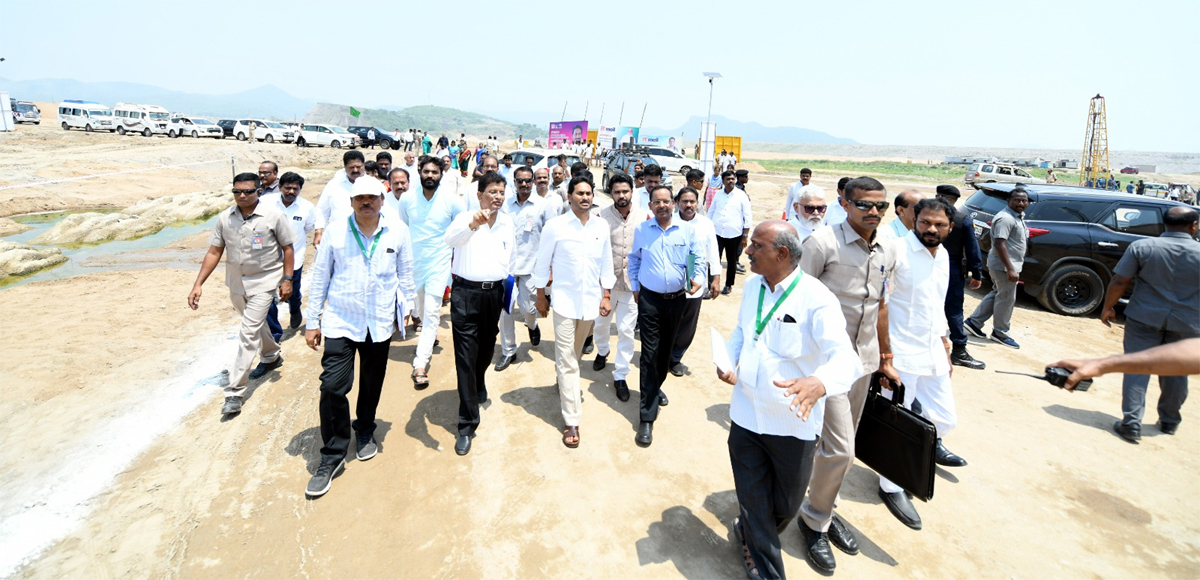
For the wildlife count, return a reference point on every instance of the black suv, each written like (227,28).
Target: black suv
(227,126)
(382,138)
(1076,237)
(624,163)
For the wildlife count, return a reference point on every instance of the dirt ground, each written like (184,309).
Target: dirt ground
(1050,490)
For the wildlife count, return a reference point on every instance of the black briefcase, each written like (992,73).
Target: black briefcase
(896,442)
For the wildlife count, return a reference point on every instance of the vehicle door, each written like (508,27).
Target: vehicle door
(1004,174)
(1121,225)
(1022,176)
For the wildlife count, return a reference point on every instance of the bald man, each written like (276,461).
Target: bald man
(905,202)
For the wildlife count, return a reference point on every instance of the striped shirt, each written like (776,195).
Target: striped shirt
(362,294)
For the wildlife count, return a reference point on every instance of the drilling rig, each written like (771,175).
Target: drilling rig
(1094,163)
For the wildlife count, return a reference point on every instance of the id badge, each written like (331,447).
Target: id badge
(256,243)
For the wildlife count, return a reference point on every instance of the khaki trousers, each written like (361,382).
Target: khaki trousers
(569,336)
(834,454)
(252,335)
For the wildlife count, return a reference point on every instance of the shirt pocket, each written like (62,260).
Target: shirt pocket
(786,339)
(677,253)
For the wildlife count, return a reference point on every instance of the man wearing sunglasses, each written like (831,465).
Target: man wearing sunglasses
(808,210)
(529,214)
(851,259)
(258,241)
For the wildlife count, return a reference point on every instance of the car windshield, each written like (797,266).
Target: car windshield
(981,201)
(202,121)
(100,112)
(159,116)
(339,130)
(23,108)
(275,125)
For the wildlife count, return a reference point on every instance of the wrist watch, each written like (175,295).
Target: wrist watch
(289,278)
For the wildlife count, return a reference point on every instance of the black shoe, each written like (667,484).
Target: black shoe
(959,356)
(901,507)
(622,390)
(840,536)
(505,361)
(462,445)
(233,406)
(588,347)
(1168,428)
(677,369)
(323,478)
(367,447)
(662,399)
(976,331)
(598,364)
(740,269)
(817,547)
(296,321)
(944,457)
(726,290)
(266,367)
(1130,433)
(645,434)
(535,336)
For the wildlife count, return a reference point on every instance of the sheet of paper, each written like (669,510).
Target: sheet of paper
(720,352)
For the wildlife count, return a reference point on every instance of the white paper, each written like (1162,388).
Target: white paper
(720,352)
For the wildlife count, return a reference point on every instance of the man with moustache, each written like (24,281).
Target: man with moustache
(730,214)
(658,276)
(686,203)
(541,182)
(506,167)
(301,214)
(362,288)
(574,247)
(488,165)
(623,218)
(335,198)
(651,178)
(410,165)
(558,175)
(850,259)
(529,216)
(483,243)
(383,160)
(793,195)
(965,260)
(1005,259)
(268,174)
(899,227)
(808,210)
(428,213)
(398,181)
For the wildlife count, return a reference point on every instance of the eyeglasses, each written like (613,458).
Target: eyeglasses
(523,180)
(867,205)
(265,172)
(815,208)
(244,191)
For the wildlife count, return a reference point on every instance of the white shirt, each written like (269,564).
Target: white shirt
(414,175)
(391,204)
(804,337)
(730,213)
(836,214)
(894,230)
(349,295)
(803,228)
(302,217)
(428,220)
(529,219)
(916,308)
(335,199)
(581,257)
(482,255)
(643,199)
(554,204)
(706,237)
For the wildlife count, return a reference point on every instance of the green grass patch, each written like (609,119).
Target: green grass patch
(934,172)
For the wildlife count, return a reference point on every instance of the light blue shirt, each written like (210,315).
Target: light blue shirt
(428,220)
(658,259)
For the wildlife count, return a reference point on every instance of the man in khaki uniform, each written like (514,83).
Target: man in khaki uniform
(259,241)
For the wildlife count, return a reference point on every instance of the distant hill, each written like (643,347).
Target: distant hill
(425,117)
(749,131)
(266,101)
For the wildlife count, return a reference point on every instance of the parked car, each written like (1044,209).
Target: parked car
(1129,170)
(194,127)
(542,158)
(998,173)
(672,161)
(624,162)
(1159,190)
(1076,237)
(268,131)
(87,115)
(327,136)
(227,126)
(382,138)
(26,112)
(138,118)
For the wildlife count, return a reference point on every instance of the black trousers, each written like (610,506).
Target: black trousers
(770,474)
(658,320)
(954,306)
(475,322)
(731,248)
(337,378)
(687,329)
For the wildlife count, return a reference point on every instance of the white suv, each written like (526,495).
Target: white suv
(327,136)
(998,172)
(194,127)
(268,131)
(671,160)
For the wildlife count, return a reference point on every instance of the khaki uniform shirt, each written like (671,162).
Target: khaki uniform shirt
(248,269)
(857,272)
(620,231)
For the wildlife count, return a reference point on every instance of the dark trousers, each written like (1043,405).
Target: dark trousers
(337,378)
(293,304)
(954,306)
(1139,337)
(770,474)
(731,248)
(474,321)
(658,320)
(687,329)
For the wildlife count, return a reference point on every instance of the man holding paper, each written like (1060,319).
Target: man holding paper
(791,350)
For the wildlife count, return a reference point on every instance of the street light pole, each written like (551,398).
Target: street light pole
(707,157)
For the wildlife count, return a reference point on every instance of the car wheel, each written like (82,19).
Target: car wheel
(195,135)
(172,134)
(241,136)
(146,132)
(1072,290)
(120,130)
(66,128)
(684,170)
(384,144)
(88,128)
(270,138)
(336,144)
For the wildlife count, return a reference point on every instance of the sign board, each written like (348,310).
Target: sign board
(567,132)
(6,116)
(664,141)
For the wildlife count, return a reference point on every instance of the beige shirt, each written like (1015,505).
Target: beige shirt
(620,232)
(858,274)
(253,248)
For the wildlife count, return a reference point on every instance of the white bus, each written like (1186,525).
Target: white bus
(145,119)
(86,115)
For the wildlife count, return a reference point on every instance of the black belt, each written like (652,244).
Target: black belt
(670,296)
(479,285)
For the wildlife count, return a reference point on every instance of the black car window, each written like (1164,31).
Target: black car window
(1066,210)
(981,201)
(1137,220)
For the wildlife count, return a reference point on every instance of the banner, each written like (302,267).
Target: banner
(605,136)
(626,135)
(664,141)
(567,132)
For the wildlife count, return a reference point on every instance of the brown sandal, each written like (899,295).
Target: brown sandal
(747,559)
(420,379)
(568,433)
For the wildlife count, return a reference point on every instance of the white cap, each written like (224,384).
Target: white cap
(367,185)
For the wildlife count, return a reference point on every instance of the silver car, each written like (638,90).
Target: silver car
(998,173)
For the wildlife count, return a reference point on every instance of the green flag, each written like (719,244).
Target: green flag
(355,112)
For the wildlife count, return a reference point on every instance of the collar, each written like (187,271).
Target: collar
(382,227)
(1183,235)
(915,246)
(516,202)
(237,212)
(850,236)
(674,224)
(1020,216)
(787,281)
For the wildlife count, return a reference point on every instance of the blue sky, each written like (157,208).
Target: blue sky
(1012,74)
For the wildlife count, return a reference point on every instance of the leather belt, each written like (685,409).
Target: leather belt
(670,296)
(479,285)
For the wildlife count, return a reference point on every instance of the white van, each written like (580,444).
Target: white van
(87,115)
(145,119)
(327,136)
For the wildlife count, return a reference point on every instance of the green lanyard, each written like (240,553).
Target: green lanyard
(760,323)
(369,255)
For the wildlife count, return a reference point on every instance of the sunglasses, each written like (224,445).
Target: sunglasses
(523,180)
(815,208)
(244,191)
(867,205)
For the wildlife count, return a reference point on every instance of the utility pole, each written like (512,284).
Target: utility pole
(643,119)
(564,113)
(621,116)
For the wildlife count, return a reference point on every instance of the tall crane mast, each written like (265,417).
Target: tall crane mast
(1094,163)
